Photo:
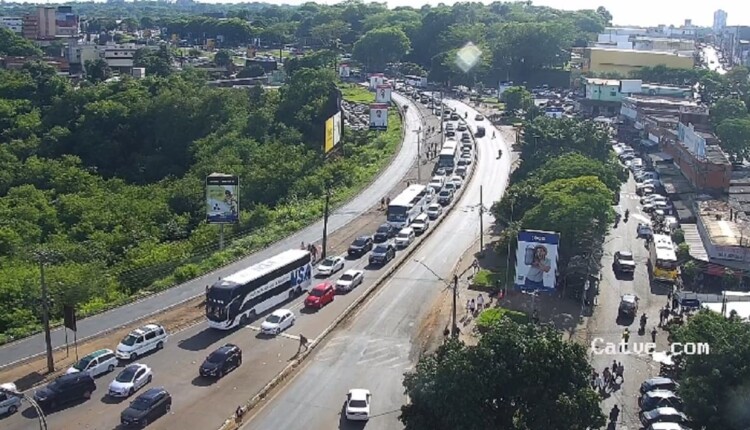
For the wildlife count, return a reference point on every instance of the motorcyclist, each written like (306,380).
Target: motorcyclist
(493,134)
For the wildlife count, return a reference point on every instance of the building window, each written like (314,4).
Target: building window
(613,93)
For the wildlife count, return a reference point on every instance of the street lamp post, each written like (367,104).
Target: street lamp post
(419,154)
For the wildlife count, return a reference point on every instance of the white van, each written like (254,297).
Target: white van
(140,341)
(9,403)
(436,183)
(405,237)
(96,363)
(421,223)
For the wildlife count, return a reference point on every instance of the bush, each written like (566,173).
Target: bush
(490,317)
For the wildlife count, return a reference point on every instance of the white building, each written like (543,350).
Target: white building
(12,23)
(119,57)
(720,21)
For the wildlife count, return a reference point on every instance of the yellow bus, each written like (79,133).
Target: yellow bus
(662,260)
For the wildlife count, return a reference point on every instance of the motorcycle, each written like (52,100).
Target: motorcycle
(627,214)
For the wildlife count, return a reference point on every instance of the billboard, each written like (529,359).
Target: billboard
(694,142)
(333,132)
(376,79)
(383,94)
(554,112)
(344,71)
(536,260)
(378,116)
(222,199)
(502,87)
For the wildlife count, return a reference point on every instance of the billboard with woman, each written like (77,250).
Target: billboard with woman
(536,260)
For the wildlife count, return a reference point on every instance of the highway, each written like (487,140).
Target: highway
(381,342)
(711,57)
(369,197)
(199,403)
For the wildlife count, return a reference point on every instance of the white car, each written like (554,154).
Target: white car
(434,210)
(466,157)
(358,404)
(131,379)
(405,237)
(457,181)
(9,403)
(653,198)
(349,280)
(644,230)
(330,265)
(278,321)
(96,363)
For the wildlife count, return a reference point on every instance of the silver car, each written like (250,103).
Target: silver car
(9,403)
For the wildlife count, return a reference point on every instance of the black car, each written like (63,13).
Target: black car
(65,389)
(221,361)
(383,253)
(147,407)
(445,197)
(385,232)
(659,399)
(361,246)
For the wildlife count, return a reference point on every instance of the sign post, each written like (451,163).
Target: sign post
(222,201)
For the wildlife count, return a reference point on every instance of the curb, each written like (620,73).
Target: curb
(205,275)
(232,424)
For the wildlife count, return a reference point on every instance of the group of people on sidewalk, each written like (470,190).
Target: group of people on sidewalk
(474,306)
(312,249)
(608,379)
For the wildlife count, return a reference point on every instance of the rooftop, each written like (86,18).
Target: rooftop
(642,99)
(663,53)
(598,81)
(715,217)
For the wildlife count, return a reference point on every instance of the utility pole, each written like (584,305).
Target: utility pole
(419,155)
(325,220)
(481,222)
(454,328)
(44,257)
(507,261)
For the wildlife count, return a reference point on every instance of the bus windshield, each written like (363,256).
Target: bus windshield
(216,312)
(666,264)
(397,213)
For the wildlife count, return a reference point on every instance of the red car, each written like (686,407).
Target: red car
(321,295)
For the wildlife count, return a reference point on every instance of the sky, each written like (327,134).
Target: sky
(624,12)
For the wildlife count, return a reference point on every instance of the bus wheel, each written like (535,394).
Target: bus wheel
(292,293)
(243,320)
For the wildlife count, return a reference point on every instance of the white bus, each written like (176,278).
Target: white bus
(408,205)
(662,262)
(242,296)
(447,156)
(415,81)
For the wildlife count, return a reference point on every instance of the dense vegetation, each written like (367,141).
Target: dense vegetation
(567,182)
(109,178)
(714,386)
(499,383)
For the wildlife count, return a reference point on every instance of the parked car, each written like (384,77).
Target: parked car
(628,305)
(384,232)
(361,246)
(434,211)
(321,295)
(405,237)
(624,262)
(358,404)
(445,197)
(9,402)
(667,426)
(278,321)
(644,230)
(383,253)
(330,265)
(131,379)
(65,389)
(96,363)
(662,415)
(659,399)
(659,383)
(221,361)
(140,341)
(147,407)
(350,280)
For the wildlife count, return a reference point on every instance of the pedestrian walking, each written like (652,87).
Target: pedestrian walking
(468,306)
(607,377)
(387,201)
(620,370)
(675,302)
(408,184)
(480,302)
(599,383)
(614,414)
(382,203)
(472,306)
(302,343)
(302,245)
(625,338)
(653,335)
(475,266)
(207,287)
(614,366)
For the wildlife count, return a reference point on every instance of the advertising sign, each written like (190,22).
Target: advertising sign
(333,132)
(692,140)
(375,80)
(383,94)
(536,260)
(222,199)
(502,87)
(554,112)
(379,116)
(344,71)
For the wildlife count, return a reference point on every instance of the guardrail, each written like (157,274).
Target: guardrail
(235,421)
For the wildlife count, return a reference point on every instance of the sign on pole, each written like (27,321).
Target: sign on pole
(333,132)
(536,260)
(379,116)
(222,199)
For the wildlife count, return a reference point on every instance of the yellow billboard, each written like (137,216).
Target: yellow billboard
(333,132)
(329,136)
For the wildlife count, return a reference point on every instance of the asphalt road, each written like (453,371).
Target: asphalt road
(114,318)
(380,342)
(712,60)
(200,403)
(638,365)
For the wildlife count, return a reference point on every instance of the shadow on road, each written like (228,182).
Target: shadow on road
(27,381)
(202,381)
(345,424)
(625,320)
(203,339)
(109,400)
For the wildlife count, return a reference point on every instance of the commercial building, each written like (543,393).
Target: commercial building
(119,57)
(699,157)
(12,23)
(720,21)
(625,61)
(604,96)
(49,23)
(725,233)
(735,44)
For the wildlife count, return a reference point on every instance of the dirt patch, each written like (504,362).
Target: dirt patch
(34,372)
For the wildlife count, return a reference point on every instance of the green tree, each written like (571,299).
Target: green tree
(517,98)
(713,384)
(223,58)
(329,32)
(734,135)
(251,72)
(381,46)
(486,386)
(12,44)
(97,70)
(157,62)
(727,108)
